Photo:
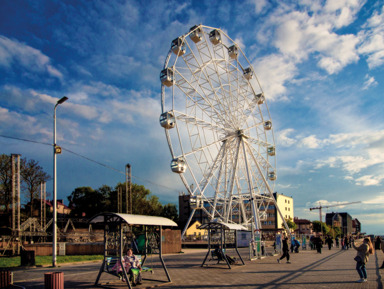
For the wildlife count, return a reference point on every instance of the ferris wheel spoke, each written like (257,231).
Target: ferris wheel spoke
(190,119)
(197,97)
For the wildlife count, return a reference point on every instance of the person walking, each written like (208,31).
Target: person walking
(318,244)
(329,242)
(346,245)
(362,257)
(285,250)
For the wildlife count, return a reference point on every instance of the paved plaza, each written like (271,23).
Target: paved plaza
(332,269)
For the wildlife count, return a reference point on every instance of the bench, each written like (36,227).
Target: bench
(111,262)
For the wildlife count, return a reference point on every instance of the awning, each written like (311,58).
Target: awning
(226,226)
(131,219)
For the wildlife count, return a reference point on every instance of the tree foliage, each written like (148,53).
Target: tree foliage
(88,202)
(31,175)
(5,181)
(291,224)
(320,226)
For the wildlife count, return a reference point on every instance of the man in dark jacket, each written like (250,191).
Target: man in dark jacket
(285,250)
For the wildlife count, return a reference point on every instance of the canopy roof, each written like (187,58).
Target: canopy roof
(226,226)
(131,219)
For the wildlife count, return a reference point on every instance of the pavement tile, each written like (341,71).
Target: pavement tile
(332,269)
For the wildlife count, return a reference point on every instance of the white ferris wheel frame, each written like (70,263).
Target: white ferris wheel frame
(218,128)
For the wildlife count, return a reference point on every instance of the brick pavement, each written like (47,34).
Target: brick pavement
(332,269)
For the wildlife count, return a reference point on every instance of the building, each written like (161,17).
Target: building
(61,208)
(194,233)
(304,226)
(274,222)
(185,210)
(271,222)
(341,220)
(356,226)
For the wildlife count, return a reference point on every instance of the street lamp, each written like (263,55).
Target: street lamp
(56,150)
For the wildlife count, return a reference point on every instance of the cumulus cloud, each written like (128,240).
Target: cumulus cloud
(13,52)
(274,70)
(372,39)
(313,33)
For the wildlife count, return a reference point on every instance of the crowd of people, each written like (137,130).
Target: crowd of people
(364,249)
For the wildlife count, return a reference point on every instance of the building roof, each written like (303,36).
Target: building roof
(131,219)
(301,221)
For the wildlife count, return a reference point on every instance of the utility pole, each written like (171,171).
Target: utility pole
(128,182)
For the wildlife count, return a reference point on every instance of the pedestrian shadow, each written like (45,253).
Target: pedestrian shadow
(293,275)
(379,280)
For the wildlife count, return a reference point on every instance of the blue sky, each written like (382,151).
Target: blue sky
(320,63)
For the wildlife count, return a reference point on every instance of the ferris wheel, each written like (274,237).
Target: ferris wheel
(218,127)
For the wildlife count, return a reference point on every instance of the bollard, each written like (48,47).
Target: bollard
(54,280)
(5,279)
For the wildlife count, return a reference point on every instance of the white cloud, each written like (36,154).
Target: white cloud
(343,12)
(379,199)
(260,5)
(274,70)
(369,82)
(284,139)
(310,142)
(13,52)
(369,180)
(372,39)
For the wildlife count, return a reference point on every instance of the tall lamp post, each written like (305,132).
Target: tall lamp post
(56,150)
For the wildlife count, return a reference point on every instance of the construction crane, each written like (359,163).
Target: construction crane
(320,207)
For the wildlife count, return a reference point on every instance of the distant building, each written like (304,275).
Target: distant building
(274,222)
(304,226)
(271,222)
(61,208)
(356,226)
(193,232)
(185,211)
(341,220)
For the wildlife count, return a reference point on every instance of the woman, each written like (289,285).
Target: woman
(362,258)
(132,266)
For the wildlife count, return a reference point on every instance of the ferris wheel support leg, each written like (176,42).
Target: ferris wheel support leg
(255,210)
(187,224)
(270,193)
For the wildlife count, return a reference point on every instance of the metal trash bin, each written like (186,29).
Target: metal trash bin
(6,278)
(54,280)
(27,258)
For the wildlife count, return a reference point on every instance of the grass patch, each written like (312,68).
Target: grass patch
(9,262)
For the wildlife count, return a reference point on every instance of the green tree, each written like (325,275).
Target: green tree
(5,181)
(323,227)
(32,176)
(170,212)
(335,231)
(291,224)
(87,202)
